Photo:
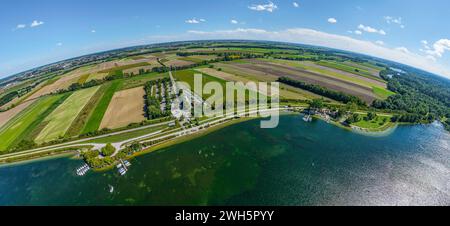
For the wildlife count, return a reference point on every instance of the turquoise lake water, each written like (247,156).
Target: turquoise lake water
(297,163)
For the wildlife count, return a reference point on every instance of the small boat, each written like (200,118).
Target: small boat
(126,163)
(122,171)
(307,118)
(111,188)
(81,171)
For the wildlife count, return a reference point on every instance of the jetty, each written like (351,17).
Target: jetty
(81,171)
(122,167)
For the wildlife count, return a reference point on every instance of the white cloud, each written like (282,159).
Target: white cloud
(295,4)
(93,31)
(439,48)
(36,23)
(332,20)
(269,7)
(424,42)
(314,37)
(59,44)
(371,29)
(195,21)
(234,21)
(358,32)
(393,20)
(402,49)
(379,42)
(20,26)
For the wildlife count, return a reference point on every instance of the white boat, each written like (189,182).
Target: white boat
(111,188)
(81,171)
(122,171)
(307,118)
(126,163)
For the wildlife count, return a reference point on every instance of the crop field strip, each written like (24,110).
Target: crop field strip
(25,122)
(288,92)
(331,72)
(363,92)
(96,116)
(349,69)
(81,120)
(8,115)
(124,67)
(60,120)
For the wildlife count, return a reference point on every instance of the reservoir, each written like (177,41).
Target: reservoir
(297,163)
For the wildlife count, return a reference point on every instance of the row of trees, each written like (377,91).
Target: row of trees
(335,95)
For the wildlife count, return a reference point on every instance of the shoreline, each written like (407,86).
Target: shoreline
(177,140)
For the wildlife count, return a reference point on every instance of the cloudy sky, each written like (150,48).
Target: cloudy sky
(414,32)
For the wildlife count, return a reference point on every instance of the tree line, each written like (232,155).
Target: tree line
(335,95)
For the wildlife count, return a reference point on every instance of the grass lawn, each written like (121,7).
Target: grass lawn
(96,116)
(376,124)
(17,129)
(60,120)
(126,136)
(382,93)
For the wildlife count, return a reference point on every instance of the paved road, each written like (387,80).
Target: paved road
(78,142)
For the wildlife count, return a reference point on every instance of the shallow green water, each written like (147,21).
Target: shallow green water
(297,163)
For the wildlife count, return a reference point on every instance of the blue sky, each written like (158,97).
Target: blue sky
(414,32)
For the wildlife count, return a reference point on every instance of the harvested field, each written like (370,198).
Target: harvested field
(135,71)
(126,107)
(8,115)
(62,83)
(59,121)
(326,71)
(365,93)
(286,91)
(177,63)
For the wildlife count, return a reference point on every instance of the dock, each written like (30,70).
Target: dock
(81,171)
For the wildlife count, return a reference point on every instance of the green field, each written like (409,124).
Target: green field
(382,93)
(126,136)
(60,120)
(96,116)
(140,80)
(188,77)
(349,69)
(16,129)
